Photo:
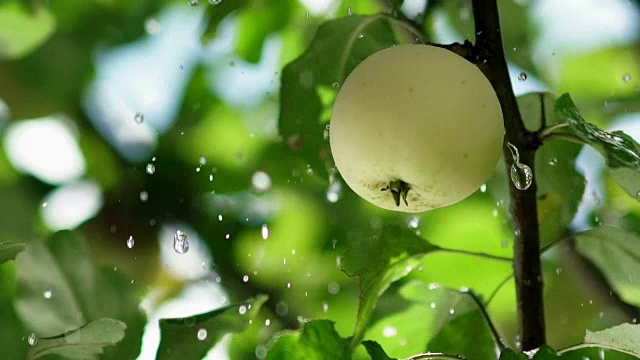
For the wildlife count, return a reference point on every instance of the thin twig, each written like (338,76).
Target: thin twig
(485,314)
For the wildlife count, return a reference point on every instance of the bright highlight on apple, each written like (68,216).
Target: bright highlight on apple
(415,128)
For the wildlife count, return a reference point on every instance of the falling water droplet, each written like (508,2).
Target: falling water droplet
(194,2)
(626,78)
(138,118)
(242,309)
(264,231)
(452,311)
(349,11)
(48,293)
(360,35)
(130,242)
(483,188)
(180,242)
(307,15)
(33,339)
(414,222)
(245,278)
(553,161)
(151,169)
(144,196)
(638,195)
(202,334)
(334,190)
(521,174)
(260,181)
(389,331)
(215,2)
(325,307)
(432,305)
(522,76)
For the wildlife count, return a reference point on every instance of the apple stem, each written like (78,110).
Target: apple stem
(490,58)
(398,189)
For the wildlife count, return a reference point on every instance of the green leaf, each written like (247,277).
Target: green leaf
(59,289)
(623,338)
(9,251)
(545,353)
(338,46)
(85,342)
(317,341)
(509,354)
(455,335)
(214,14)
(618,148)
(378,261)
(587,351)
(616,252)
(23,29)
(375,351)
(192,337)
(560,185)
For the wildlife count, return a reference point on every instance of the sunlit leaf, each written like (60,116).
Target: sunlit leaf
(625,337)
(375,351)
(192,337)
(8,251)
(318,340)
(23,28)
(378,261)
(606,73)
(618,148)
(338,46)
(616,252)
(82,343)
(588,351)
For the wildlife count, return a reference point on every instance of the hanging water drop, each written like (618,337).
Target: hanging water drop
(180,242)
(130,242)
(521,174)
(33,339)
(151,169)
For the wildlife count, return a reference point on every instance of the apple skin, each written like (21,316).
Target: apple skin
(418,114)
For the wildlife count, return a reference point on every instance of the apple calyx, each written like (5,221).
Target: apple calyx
(398,188)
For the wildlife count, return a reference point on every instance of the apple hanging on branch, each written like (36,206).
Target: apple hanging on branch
(415,128)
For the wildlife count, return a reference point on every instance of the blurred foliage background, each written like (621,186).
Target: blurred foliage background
(123,122)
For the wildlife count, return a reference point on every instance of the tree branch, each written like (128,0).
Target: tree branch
(491,60)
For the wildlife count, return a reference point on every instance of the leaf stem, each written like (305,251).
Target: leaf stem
(491,60)
(548,130)
(564,137)
(588,345)
(485,314)
(481,255)
(429,356)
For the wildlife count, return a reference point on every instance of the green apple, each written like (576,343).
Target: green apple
(415,128)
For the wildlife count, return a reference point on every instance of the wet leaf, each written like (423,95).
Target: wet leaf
(616,252)
(509,354)
(625,337)
(618,148)
(85,342)
(192,337)
(378,261)
(9,251)
(318,340)
(59,289)
(23,28)
(338,46)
